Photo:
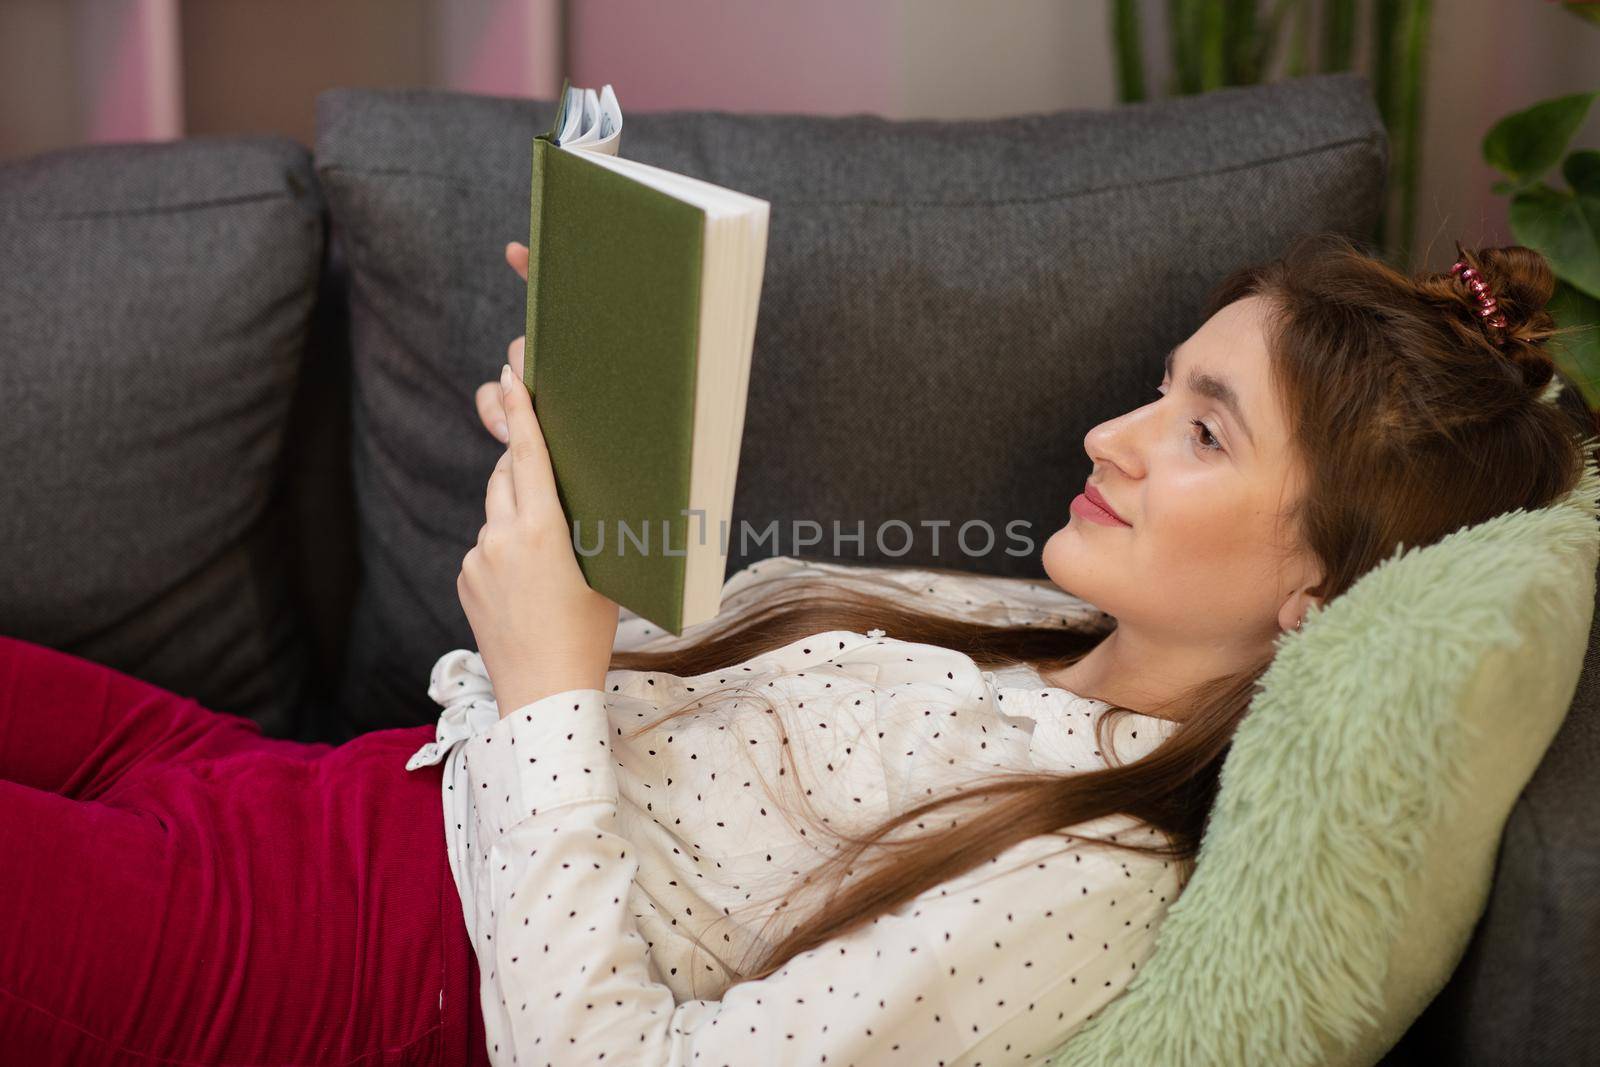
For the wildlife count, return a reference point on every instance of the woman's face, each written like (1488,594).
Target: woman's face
(1205,558)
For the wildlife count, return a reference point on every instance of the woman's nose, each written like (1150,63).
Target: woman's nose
(1115,443)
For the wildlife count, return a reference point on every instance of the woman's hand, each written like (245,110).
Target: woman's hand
(491,409)
(540,628)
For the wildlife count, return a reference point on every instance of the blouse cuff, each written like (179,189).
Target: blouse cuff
(548,754)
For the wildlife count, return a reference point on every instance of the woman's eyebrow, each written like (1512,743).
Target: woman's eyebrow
(1217,389)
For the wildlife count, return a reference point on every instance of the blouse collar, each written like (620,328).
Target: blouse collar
(1065,724)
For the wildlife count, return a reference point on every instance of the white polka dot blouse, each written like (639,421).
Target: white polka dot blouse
(608,883)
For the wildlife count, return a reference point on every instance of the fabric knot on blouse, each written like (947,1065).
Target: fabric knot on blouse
(461,685)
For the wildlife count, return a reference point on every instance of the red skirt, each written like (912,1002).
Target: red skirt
(176,887)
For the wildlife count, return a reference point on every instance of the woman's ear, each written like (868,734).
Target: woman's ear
(1308,576)
(1296,606)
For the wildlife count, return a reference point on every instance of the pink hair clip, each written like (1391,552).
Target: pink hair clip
(1487,309)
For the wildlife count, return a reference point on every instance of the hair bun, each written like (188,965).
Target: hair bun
(1522,283)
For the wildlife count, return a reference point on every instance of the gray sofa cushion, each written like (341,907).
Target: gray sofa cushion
(948,307)
(152,321)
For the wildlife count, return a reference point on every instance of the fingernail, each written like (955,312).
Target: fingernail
(501,431)
(506,379)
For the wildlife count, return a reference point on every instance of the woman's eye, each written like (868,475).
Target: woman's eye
(1201,432)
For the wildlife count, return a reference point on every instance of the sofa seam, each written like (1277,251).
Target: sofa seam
(157,209)
(1071,194)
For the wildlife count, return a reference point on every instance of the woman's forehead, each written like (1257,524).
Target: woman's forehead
(1227,361)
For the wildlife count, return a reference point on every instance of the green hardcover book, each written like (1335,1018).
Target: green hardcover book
(643,287)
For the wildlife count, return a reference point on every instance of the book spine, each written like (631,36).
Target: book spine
(530,346)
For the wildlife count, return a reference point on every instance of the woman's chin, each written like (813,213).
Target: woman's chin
(1057,554)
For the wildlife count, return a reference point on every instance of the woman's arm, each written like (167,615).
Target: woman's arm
(1011,958)
(564,968)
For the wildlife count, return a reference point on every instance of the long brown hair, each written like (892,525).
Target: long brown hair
(1411,423)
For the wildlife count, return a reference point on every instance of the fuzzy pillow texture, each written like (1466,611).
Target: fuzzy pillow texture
(1353,843)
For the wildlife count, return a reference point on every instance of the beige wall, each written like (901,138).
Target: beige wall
(39,107)
(961,60)
(251,67)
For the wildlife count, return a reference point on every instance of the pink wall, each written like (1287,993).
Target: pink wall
(131,81)
(498,47)
(821,56)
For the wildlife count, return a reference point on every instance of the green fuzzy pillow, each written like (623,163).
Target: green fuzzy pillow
(1351,850)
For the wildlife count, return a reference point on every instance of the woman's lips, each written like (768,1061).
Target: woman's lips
(1093,492)
(1088,509)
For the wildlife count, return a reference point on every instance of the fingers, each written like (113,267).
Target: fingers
(514,356)
(517,256)
(492,409)
(490,397)
(500,499)
(531,476)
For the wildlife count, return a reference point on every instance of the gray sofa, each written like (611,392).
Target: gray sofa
(243,460)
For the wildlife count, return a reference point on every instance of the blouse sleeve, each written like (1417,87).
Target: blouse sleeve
(1017,958)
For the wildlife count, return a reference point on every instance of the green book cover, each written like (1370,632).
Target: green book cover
(613,321)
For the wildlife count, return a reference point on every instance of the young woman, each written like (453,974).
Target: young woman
(867,815)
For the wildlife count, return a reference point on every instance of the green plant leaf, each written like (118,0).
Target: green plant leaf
(1584,9)
(1578,353)
(1527,143)
(1566,228)
(1582,171)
